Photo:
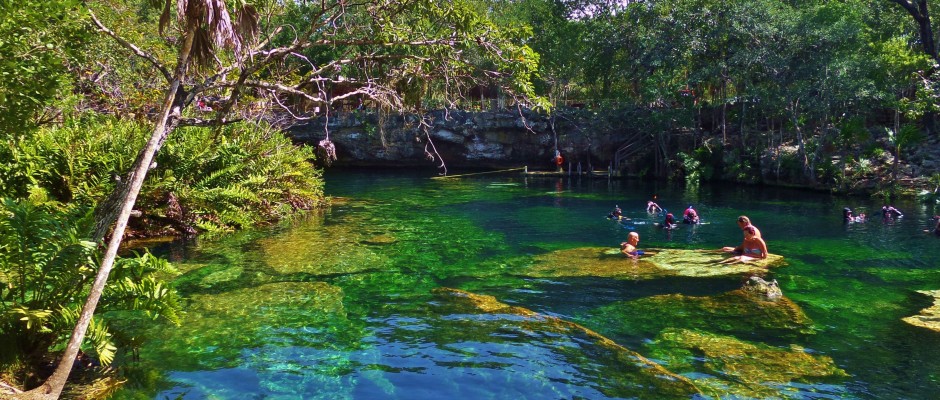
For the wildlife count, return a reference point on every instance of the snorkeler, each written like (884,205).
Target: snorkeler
(617,213)
(690,216)
(669,222)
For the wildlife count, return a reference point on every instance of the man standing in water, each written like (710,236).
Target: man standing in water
(628,248)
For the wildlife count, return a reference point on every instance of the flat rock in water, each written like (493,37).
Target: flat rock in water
(737,312)
(929,317)
(607,262)
(736,368)
(627,374)
(379,240)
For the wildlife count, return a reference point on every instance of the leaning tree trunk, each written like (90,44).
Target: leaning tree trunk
(129,188)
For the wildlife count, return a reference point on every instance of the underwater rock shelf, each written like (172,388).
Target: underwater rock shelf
(929,317)
(606,262)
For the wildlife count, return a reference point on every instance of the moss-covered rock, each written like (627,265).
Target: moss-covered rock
(221,326)
(606,262)
(321,250)
(627,373)
(736,368)
(736,312)
(379,240)
(929,317)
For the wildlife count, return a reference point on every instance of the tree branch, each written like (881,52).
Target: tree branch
(130,46)
(207,122)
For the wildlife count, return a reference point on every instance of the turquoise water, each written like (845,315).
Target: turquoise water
(347,304)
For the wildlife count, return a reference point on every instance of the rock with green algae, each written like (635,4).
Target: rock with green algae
(736,368)
(606,262)
(929,317)
(379,240)
(626,373)
(320,249)
(739,312)
(222,326)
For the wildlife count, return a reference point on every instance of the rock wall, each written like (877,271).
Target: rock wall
(496,139)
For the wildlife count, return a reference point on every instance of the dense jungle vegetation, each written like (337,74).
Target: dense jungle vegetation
(185,99)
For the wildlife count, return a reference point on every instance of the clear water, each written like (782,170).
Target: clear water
(340,305)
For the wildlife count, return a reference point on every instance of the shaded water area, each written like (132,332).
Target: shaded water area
(497,287)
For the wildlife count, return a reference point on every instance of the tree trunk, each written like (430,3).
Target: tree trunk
(801,145)
(52,388)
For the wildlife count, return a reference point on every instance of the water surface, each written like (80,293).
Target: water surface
(343,304)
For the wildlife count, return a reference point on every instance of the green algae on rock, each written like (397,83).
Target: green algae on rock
(929,317)
(606,262)
(628,373)
(230,322)
(737,368)
(380,240)
(736,312)
(320,250)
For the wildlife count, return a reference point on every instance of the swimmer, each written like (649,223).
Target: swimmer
(628,248)
(690,216)
(652,207)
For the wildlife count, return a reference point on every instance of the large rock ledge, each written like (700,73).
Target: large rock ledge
(639,376)
(606,262)
(929,317)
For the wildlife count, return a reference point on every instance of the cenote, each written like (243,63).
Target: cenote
(409,287)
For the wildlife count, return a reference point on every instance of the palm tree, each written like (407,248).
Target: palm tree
(205,26)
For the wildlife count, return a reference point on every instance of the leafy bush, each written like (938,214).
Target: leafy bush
(236,177)
(46,267)
(215,180)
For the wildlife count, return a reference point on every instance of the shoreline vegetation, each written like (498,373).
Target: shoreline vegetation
(186,102)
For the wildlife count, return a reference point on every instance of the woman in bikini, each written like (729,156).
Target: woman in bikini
(753,248)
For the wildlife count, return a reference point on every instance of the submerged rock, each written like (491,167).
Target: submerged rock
(737,368)
(322,250)
(379,240)
(929,317)
(222,327)
(758,286)
(738,312)
(625,373)
(605,262)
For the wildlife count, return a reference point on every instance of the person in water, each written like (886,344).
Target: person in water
(890,212)
(628,248)
(670,221)
(936,229)
(617,213)
(849,216)
(754,247)
(743,222)
(652,207)
(690,216)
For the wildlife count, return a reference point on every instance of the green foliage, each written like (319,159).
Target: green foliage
(236,177)
(698,166)
(37,38)
(46,268)
(73,163)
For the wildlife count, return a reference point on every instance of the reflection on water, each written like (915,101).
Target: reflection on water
(348,304)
